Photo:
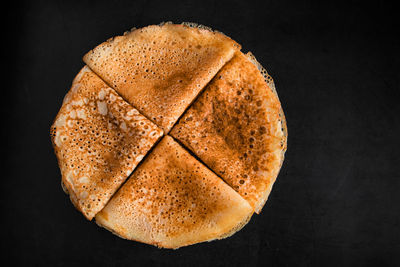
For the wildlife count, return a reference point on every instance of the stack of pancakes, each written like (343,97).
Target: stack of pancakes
(170,135)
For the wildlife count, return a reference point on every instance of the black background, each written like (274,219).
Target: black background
(336,68)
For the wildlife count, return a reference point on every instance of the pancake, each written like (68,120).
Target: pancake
(160,69)
(172,200)
(237,128)
(98,139)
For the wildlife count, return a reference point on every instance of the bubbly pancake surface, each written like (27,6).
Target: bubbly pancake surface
(236,127)
(172,200)
(98,139)
(160,69)
(194,84)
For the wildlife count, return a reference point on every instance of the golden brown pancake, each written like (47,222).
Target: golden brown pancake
(172,200)
(160,69)
(98,139)
(237,128)
(195,84)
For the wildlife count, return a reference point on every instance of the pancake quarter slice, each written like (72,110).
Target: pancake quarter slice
(160,69)
(98,139)
(237,128)
(172,200)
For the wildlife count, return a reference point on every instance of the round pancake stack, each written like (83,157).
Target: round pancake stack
(170,135)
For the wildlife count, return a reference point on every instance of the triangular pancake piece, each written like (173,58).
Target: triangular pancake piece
(237,128)
(160,69)
(98,139)
(172,200)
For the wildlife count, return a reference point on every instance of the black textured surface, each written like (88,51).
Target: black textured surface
(336,68)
